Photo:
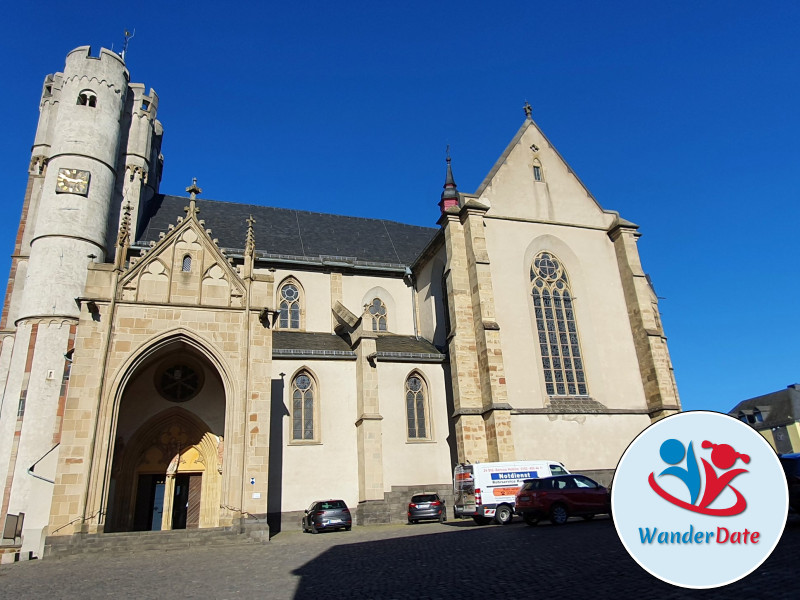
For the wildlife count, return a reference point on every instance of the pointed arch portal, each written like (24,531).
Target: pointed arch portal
(168,444)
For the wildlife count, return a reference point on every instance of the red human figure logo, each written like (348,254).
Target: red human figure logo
(724,457)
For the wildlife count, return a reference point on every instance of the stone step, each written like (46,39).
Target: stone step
(151,541)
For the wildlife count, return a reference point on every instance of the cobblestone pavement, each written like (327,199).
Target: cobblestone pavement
(454,560)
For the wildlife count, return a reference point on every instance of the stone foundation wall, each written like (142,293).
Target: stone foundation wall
(394,506)
(601,476)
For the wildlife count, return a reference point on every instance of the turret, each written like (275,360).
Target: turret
(450,193)
(139,161)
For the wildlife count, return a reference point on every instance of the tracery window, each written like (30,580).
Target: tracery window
(556,327)
(186,267)
(416,407)
(378,311)
(290,309)
(303,407)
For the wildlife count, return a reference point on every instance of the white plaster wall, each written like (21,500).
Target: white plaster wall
(358,290)
(407,462)
(328,469)
(611,365)
(579,441)
(12,384)
(430,300)
(17,292)
(29,494)
(56,276)
(316,297)
(33,208)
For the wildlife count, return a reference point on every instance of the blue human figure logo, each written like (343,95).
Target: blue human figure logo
(672,453)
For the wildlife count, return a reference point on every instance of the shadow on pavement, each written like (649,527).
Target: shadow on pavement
(578,560)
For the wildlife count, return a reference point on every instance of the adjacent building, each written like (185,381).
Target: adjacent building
(776,416)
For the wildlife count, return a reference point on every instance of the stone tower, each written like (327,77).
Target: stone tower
(97,147)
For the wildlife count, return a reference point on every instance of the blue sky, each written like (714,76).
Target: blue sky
(682,116)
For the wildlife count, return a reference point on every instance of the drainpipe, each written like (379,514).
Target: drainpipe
(408,276)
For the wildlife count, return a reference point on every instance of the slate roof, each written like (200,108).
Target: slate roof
(303,340)
(294,233)
(288,344)
(778,408)
(404,343)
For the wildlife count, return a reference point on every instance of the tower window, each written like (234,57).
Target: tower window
(87,98)
(187,264)
(557,328)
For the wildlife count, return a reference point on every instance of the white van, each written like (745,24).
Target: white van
(486,491)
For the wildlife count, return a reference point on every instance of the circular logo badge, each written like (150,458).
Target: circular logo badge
(699,499)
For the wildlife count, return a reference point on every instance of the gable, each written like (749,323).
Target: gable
(511,189)
(184,267)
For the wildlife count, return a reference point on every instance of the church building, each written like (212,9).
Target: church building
(174,362)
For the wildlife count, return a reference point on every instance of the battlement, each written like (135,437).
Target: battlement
(107,66)
(142,102)
(51,88)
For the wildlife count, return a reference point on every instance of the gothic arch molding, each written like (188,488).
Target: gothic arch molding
(108,411)
(161,445)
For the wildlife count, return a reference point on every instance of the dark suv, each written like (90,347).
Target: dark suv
(426,506)
(561,497)
(327,514)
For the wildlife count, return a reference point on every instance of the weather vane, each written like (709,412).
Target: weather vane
(128,38)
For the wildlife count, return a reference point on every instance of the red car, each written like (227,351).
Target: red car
(560,498)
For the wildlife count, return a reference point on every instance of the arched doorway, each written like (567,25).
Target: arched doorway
(167,466)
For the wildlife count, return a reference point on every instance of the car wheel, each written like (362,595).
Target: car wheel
(588,517)
(558,514)
(347,528)
(530,519)
(503,515)
(314,528)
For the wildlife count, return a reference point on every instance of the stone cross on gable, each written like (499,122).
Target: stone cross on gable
(192,210)
(528,110)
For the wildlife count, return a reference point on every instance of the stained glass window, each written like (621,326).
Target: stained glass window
(303,396)
(416,405)
(378,311)
(557,330)
(290,306)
